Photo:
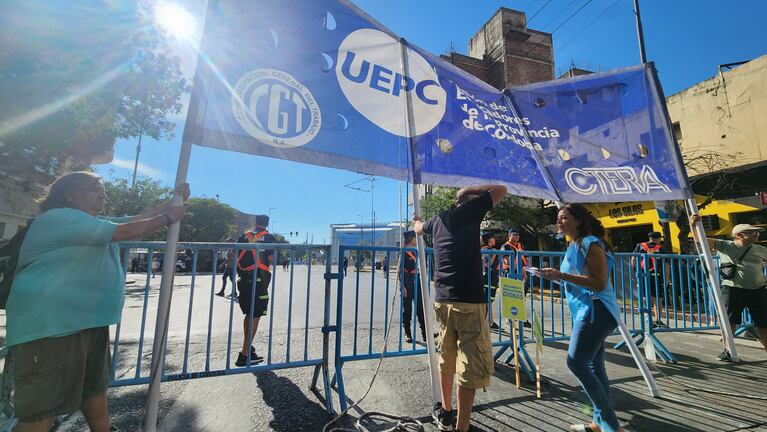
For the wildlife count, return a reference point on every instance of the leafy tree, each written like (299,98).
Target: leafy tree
(80,76)
(530,215)
(122,199)
(207,220)
(439,200)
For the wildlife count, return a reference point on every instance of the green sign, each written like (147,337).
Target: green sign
(513,294)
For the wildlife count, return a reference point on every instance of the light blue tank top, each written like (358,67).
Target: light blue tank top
(580,299)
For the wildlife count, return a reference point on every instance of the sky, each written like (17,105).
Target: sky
(687,39)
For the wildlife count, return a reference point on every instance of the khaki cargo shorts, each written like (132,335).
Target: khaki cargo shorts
(464,343)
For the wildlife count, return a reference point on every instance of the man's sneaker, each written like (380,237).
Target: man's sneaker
(527,324)
(724,357)
(443,419)
(494,326)
(243,360)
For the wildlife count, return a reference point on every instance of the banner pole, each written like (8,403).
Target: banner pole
(699,234)
(197,108)
(436,391)
(651,385)
(163,308)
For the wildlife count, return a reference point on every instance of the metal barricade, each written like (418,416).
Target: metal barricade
(206,331)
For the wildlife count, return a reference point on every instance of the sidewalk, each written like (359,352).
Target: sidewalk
(281,401)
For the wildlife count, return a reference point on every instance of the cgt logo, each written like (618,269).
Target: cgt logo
(276,109)
(368,61)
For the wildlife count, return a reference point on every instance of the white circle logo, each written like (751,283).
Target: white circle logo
(369,71)
(276,109)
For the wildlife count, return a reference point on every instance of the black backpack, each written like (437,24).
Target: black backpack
(9,259)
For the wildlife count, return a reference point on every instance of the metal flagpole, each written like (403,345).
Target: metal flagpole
(699,232)
(652,386)
(436,391)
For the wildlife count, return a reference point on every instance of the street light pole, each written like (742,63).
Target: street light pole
(640,32)
(135,164)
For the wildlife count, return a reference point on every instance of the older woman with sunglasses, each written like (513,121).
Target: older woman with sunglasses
(68,289)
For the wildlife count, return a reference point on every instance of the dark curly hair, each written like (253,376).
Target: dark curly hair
(589,224)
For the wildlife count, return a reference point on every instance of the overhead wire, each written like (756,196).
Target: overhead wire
(558,15)
(588,25)
(539,11)
(571,16)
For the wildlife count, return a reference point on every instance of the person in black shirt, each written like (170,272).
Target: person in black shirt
(248,265)
(461,306)
(409,294)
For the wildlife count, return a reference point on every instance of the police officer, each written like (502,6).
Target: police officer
(409,277)
(491,272)
(654,245)
(248,266)
(514,263)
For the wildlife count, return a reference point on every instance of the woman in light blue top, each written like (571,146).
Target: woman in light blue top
(68,288)
(591,298)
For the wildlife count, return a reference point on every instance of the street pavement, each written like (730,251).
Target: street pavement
(280,399)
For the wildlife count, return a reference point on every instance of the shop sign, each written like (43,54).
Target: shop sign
(627,210)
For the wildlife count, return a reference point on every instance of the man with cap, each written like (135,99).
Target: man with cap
(254,294)
(748,287)
(460,302)
(654,245)
(409,277)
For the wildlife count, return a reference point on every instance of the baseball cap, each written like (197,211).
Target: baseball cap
(737,229)
(654,234)
(513,231)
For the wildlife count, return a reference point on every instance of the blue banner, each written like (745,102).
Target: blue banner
(323,83)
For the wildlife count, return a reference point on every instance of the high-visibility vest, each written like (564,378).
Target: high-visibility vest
(518,248)
(253,238)
(412,257)
(493,262)
(650,250)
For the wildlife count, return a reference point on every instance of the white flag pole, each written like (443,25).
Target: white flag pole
(699,232)
(436,391)
(195,110)
(641,364)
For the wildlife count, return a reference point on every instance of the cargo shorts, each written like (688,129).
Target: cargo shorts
(54,375)
(464,343)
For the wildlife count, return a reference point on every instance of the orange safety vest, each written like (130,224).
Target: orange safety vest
(412,257)
(650,250)
(251,238)
(517,255)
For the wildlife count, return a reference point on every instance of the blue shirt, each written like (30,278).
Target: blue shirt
(68,279)
(579,298)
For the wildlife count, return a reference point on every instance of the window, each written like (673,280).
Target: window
(2,230)
(710,223)
(677,131)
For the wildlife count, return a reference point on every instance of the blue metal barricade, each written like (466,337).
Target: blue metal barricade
(206,331)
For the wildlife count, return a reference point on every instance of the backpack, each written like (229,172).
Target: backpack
(9,259)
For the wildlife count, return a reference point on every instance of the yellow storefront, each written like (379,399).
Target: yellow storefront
(628,223)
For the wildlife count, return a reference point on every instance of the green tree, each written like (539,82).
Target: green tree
(439,200)
(534,216)
(124,200)
(80,76)
(207,220)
